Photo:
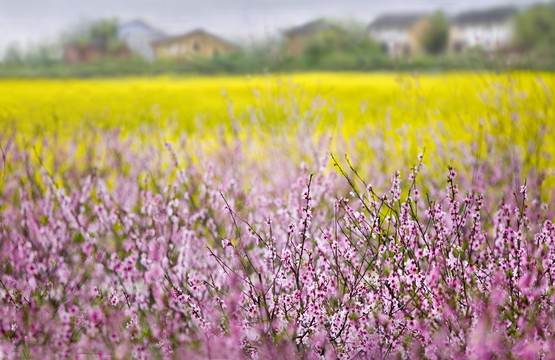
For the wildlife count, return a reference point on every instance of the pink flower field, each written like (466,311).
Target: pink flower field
(121,246)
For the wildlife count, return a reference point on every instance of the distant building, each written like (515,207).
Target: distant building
(138,36)
(196,43)
(95,49)
(299,37)
(399,34)
(490,29)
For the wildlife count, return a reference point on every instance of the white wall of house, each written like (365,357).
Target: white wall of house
(487,36)
(138,38)
(141,45)
(394,40)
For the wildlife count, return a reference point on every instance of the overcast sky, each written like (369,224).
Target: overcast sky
(28,21)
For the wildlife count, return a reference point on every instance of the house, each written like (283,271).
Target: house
(399,34)
(299,37)
(490,29)
(196,43)
(138,36)
(92,50)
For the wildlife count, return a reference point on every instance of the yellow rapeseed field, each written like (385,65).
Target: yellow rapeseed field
(387,116)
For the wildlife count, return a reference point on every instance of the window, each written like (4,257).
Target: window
(196,46)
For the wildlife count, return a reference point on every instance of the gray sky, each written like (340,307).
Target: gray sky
(28,21)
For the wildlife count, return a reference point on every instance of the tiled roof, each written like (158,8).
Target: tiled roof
(395,21)
(488,16)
